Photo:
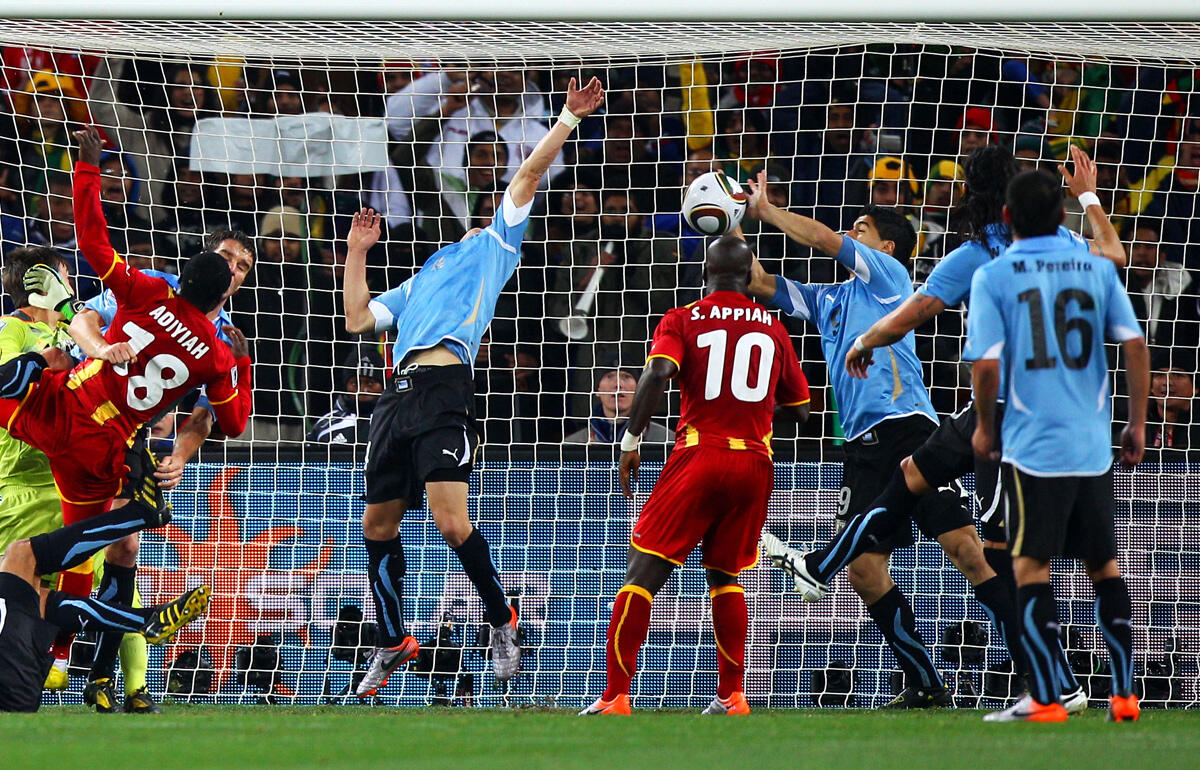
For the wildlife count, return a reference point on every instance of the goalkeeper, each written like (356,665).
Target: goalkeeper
(35,278)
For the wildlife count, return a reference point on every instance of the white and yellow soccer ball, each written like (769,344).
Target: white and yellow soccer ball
(714,204)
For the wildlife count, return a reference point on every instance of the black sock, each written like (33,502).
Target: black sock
(71,546)
(893,615)
(1000,604)
(1039,638)
(1114,615)
(1000,560)
(76,613)
(476,560)
(116,586)
(890,510)
(385,570)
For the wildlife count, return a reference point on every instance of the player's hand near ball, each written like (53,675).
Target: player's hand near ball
(757,204)
(584,101)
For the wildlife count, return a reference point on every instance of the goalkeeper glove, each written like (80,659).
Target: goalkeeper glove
(48,291)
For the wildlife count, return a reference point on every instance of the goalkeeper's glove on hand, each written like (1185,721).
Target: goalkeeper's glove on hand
(48,291)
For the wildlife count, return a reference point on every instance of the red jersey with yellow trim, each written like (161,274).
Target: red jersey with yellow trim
(736,361)
(177,347)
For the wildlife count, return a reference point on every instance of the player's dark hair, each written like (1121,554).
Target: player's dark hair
(18,261)
(988,171)
(213,241)
(1035,204)
(895,227)
(204,280)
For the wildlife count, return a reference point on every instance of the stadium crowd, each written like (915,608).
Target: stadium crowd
(834,130)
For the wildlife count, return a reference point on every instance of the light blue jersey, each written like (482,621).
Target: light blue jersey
(895,386)
(452,299)
(105,304)
(1043,309)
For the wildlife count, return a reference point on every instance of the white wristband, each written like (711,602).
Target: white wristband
(630,441)
(1089,199)
(568,117)
(859,346)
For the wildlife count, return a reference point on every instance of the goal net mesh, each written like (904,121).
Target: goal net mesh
(281,130)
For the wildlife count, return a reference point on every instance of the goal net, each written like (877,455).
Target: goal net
(281,130)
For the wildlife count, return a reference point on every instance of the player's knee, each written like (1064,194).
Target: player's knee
(124,552)
(454,530)
(965,551)
(869,579)
(913,478)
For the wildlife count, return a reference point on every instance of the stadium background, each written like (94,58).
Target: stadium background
(278,532)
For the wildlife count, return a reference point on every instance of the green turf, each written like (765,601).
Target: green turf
(269,737)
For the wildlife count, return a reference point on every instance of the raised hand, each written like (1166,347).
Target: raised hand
(364,232)
(1084,178)
(756,200)
(584,101)
(90,145)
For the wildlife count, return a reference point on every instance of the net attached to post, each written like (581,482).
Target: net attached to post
(281,130)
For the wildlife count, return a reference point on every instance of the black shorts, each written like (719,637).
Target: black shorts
(870,461)
(948,456)
(1052,516)
(422,429)
(25,639)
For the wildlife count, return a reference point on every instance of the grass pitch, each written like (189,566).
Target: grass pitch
(357,738)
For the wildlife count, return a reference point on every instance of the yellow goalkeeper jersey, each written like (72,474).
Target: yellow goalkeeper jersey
(20,464)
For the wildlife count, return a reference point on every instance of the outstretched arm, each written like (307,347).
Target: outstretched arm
(799,228)
(1106,243)
(650,389)
(356,297)
(580,104)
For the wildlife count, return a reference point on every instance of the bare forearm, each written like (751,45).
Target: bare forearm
(85,330)
(355,295)
(646,398)
(1137,379)
(192,435)
(803,230)
(525,182)
(1106,243)
(762,283)
(890,329)
(985,382)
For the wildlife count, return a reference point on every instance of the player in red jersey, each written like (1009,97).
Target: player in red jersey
(85,418)
(735,362)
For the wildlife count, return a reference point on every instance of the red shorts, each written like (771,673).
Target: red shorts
(714,497)
(86,458)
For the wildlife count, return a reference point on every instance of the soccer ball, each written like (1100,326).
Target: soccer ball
(714,204)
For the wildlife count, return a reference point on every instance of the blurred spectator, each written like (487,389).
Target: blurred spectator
(52,224)
(892,183)
(362,380)
(975,128)
(614,396)
(1169,191)
(741,144)
(756,83)
(1172,435)
(511,404)
(52,106)
(943,190)
(121,185)
(243,191)
(1028,152)
(830,174)
(286,97)
(1163,293)
(314,204)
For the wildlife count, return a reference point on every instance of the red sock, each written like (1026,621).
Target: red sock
(729,626)
(626,632)
(76,584)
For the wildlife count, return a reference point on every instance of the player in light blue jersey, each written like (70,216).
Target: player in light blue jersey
(886,416)
(118,582)
(1040,314)
(423,437)
(947,455)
